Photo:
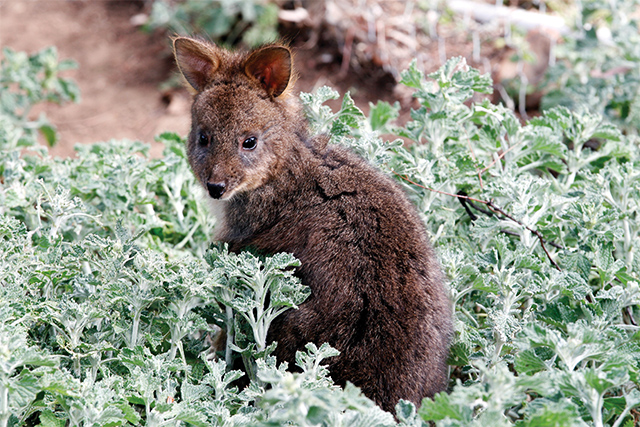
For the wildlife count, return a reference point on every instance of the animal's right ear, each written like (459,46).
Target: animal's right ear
(272,67)
(196,60)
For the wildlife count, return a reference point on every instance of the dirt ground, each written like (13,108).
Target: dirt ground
(121,68)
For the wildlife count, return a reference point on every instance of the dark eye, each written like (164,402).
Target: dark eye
(203,139)
(250,143)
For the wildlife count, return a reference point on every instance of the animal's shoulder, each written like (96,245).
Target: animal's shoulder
(341,171)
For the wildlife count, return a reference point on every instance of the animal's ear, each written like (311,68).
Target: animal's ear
(271,66)
(197,60)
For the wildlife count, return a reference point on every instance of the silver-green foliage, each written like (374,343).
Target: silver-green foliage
(252,22)
(112,302)
(598,64)
(537,229)
(27,80)
(536,225)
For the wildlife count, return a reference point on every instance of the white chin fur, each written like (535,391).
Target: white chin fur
(218,209)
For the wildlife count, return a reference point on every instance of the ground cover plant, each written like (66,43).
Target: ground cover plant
(597,66)
(112,299)
(252,22)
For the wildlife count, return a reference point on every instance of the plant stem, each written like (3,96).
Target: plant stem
(76,365)
(134,329)
(622,416)
(597,415)
(186,239)
(259,332)
(227,351)
(4,405)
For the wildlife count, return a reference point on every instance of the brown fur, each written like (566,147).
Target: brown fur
(377,292)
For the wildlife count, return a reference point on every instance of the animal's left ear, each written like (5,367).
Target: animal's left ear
(271,66)
(197,60)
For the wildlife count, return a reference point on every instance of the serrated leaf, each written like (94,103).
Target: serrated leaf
(382,113)
(193,417)
(549,413)
(528,363)
(578,263)
(49,419)
(316,415)
(441,408)
(193,392)
(129,413)
(23,389)
(607,131)
(405,411)
(412,77)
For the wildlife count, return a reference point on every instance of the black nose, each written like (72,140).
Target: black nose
(216,190)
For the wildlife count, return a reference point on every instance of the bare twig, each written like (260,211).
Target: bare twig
(496,209)
(479,209)
(438,191)
(629,312)
(465,204)
(493,208)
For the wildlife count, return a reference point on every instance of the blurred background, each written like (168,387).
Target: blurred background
(539,53)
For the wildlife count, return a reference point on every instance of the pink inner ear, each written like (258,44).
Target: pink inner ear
(267,78)
(200,72)
(272,68)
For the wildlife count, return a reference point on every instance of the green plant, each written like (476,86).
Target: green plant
(112,303)
(598,67)
(252,22)
(536,230)
(27,80)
